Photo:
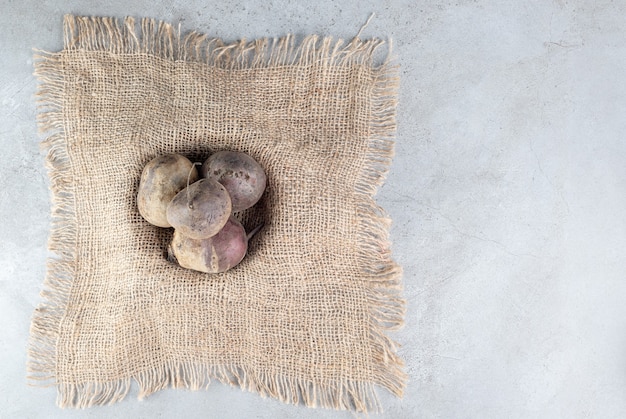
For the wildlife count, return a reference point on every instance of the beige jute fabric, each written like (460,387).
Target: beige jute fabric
(305,317)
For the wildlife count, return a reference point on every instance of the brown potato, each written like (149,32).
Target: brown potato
(200,210)
(213,255)
(162,178)
(241,175)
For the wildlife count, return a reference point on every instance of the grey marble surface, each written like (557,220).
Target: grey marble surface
(508,195)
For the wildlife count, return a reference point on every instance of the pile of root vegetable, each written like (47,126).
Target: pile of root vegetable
(207,237)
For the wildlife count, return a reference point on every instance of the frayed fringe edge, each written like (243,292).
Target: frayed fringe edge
(386,305)
(382,274)
(342,395)
(47,318)
(161,39)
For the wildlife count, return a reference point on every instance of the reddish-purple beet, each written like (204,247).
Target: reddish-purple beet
(200,210)
(213,255)
(162,178)
(241,175)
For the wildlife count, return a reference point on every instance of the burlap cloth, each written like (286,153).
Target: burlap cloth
(304,318)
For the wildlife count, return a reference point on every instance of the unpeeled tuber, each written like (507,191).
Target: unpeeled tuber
(162,178)
(212,255)
(241,175)
(200,210)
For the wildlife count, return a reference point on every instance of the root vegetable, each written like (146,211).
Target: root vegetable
(162,178)
(241,175)
(213,255)
(200,210)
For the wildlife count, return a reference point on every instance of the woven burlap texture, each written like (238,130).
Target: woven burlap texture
(305,317)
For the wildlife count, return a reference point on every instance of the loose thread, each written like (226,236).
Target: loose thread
(367,22)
